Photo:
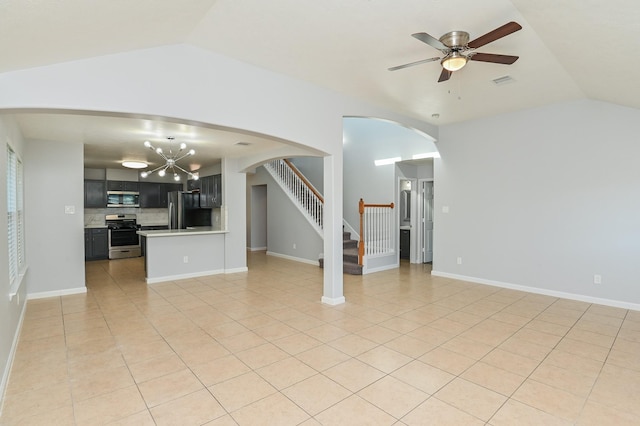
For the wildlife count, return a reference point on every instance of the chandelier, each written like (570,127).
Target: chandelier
(171,159)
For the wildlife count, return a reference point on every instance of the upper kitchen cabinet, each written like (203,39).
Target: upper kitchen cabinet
(122,185)
(95,194)
(193,185)
(217,190)
(210,191)
(154,194)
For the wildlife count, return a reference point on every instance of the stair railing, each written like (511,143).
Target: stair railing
(376,226)
(304,195)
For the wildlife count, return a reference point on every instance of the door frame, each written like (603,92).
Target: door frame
(420,257)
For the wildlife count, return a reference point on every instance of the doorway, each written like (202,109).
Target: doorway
(258,230)
(426,221)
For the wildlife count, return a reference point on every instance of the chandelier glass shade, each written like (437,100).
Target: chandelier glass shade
(170,158)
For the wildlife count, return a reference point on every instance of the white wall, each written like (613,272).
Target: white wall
(55,240)
(312,169)
(367,140)
(10,310)
(234,214)
(286,225)
(543,198)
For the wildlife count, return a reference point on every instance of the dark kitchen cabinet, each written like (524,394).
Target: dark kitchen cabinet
(217,190)
(210,191)
(95,194)
(96,243)
(206,183)
(193,185)
(122,185)
(154,194)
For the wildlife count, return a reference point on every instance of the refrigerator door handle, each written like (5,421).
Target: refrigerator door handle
(171,216)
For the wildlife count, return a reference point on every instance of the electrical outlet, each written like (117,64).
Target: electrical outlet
(597,279)
(185,259)
(294,246)
(459,261)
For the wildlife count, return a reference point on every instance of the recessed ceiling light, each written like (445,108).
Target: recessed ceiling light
(134,164)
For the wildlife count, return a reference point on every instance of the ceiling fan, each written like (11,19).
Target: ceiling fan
(457,49)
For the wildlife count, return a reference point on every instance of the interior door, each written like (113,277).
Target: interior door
(427,221)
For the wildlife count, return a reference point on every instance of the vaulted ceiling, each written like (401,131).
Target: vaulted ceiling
(568,49)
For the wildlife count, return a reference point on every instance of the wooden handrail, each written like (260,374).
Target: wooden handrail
(304,179)
(361,207)
(390,205)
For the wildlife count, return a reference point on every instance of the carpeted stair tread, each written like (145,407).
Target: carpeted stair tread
(349,255)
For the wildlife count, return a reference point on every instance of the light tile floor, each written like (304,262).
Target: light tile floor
(259,348)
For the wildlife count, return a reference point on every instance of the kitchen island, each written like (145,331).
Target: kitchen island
(177,254)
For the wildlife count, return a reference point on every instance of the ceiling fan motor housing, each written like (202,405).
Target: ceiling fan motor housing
(454,39)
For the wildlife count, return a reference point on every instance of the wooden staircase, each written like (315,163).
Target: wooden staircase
(349,255)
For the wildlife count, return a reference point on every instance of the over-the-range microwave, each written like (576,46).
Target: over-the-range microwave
(123,199)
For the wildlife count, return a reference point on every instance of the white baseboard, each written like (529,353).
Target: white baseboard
(333,301)
(366,270)
(11,357)
(236,270)
(537,290)
(256,248)
(56,293)
(295,259)
(184,276)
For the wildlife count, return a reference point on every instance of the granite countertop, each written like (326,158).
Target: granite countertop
(92,226)
(200,230)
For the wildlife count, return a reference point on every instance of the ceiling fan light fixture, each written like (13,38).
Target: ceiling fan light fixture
(454,61)
(134,164)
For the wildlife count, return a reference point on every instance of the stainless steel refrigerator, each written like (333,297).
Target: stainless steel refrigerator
(185,211)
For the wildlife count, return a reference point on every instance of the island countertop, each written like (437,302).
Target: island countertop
(200,230)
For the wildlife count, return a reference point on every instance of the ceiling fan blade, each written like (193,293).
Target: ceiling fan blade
(505,30)
(424,61)
(496,59)
(430,40)
(445,75)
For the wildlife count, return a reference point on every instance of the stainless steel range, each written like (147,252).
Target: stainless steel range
(123,238)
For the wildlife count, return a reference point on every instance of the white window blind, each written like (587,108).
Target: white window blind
(15,218)
(12,214)
(20,252)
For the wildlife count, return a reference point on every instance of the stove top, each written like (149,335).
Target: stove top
(121,221)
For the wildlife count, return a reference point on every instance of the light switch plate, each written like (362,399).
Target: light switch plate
(69,209)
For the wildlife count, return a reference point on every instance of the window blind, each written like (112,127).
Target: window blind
(20,252)
(12,214)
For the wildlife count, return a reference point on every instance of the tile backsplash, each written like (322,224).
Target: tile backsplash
(95,217)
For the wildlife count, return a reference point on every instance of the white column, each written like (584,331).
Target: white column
(333,283)
(234,205)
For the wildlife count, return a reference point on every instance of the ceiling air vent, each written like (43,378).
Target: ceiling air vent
(243,143)
(503,80)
